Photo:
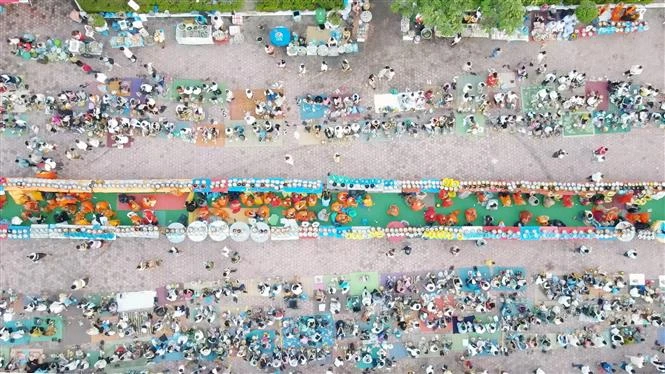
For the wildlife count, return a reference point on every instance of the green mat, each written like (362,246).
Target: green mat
(463,81)
(356,282)
(173,93)
(569,122)
(530,102)
(460,129)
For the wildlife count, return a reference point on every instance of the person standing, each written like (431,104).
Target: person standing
(495,53)
(601,151)
(324,66)
(383,72)
(79,283)
(584,250)
(637,361)
(585,369)
(101,77)
(456,40)
(390,74)
(560,154)
(599,154)
(109,62)
(129,54)
(468,68)
(345,65)
(302,70)
(371,81)
(634,70)
(631,253)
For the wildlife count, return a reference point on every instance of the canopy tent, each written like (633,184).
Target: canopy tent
(135,300)
(280,36)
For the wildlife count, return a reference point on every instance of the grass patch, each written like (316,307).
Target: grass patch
(574,2)
(173,6)
(275,5)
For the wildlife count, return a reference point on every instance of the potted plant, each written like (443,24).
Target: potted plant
(334,19)
(426,33)
(586,12)
(98,22)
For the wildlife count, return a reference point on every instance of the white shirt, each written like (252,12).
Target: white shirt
(49,164)
(638,361)
(127,53)
(121,139)
(636,70)
(101,77)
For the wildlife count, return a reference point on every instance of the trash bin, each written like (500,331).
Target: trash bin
(296,16)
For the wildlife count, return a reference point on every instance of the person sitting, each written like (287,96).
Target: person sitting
(332,42)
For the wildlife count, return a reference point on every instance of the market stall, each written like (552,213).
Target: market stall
(193,34)
(85,49)
(343,207)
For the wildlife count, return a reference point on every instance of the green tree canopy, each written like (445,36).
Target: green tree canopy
(586,12)
(406,8)
(445,15)
(506,15)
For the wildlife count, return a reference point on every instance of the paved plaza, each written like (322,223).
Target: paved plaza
(635,156)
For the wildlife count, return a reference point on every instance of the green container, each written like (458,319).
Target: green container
(320,16)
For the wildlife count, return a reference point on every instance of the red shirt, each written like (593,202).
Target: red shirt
(87,68)
(492,81)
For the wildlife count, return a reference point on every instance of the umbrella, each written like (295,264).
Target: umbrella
(177,235)
(218,231)
(280,36)
(197,231)
(260,232)
(240,231)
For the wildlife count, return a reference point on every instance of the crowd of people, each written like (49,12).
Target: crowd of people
(361,329)
(193,324)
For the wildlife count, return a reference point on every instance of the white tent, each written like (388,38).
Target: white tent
(135,300)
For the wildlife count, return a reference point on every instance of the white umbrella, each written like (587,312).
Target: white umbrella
(260,232)
(240,231)
(197,231)
(218,231)
(176,233)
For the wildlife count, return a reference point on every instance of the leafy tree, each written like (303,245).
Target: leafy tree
(445,15)
(406,8)
(586,12)
(506,15)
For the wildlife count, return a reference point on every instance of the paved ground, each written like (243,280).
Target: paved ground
(635,156)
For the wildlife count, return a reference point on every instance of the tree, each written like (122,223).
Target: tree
(444,15)
(405,8)
(506,15)
(586,12)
